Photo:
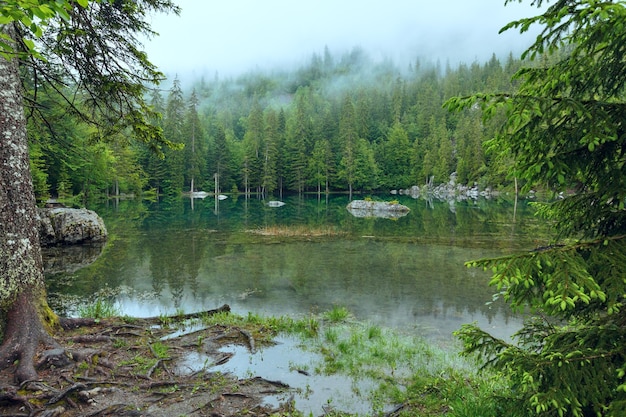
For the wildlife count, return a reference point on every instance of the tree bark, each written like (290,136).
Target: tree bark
(22,291)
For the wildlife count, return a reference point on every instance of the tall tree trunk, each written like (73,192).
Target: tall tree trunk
(22,291)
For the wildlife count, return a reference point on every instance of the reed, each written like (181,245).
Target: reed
(296,231)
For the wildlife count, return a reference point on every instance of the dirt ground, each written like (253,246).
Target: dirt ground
(141,367)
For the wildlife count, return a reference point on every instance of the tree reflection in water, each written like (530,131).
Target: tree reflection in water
(407,272)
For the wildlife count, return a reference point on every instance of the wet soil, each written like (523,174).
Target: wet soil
(124,367)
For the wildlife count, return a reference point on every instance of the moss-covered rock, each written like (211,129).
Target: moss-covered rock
(69,226)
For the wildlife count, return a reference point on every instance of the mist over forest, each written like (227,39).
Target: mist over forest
(337,123)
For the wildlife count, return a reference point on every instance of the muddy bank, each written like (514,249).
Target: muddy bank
(136,367)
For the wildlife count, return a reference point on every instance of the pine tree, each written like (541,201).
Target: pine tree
(269,179)
(152,162)
(365,176)
(128,176)
(295,157)
(38,171)
(565,129)
(173,130)
(320,166)
(394,159)
(471,164)
(194,140)
(220,159)
(281,145)
(252,146)
(349,140)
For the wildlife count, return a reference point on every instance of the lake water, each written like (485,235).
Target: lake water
(409,273)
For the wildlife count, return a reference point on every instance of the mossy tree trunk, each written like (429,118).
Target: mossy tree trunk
(22,291)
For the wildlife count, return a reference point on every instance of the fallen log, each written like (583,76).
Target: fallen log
(69,323)
(181,317)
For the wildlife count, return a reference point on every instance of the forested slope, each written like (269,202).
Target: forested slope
(337,123)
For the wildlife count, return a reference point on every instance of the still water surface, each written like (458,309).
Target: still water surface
(408,273)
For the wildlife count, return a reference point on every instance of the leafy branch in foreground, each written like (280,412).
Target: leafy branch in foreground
(565,130)
(91,49)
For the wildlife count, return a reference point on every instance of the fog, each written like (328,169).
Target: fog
(235,36)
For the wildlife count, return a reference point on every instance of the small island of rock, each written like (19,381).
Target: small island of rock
(383,209)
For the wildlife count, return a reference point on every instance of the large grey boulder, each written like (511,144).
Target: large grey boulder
(382,209)
(69,226)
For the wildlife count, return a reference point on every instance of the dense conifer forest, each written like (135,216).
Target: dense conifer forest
(337,123)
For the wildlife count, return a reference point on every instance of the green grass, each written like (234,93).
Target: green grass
(337,314)
(402,369)
(99,309)
(388,367)
(159,350)
(139,363)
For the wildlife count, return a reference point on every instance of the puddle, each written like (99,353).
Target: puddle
(287,363)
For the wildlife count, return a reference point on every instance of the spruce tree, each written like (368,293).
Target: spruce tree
(173,129)
(252,147)
(295,156)
(220,158)
(269,176)
(193,136)
(395,158)
(349,139)
(320,166)
(565,128)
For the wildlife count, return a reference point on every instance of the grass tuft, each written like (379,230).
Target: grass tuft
(388,368)
(100,309)
(337,314)
(296,231)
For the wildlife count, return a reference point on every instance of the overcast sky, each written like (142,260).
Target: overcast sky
(234,36)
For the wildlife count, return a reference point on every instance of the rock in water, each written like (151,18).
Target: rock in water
(69,226)
(383,209)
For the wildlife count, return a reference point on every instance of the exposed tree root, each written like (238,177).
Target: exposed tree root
(61,395)
(24,335)
(69,323)
(121,410)
(9,395)
(112,368)
(396,411)
(92,339)
(249,339)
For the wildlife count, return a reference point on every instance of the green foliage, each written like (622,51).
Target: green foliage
(337,314)
(389,367)
(79,101)
(270,157)
(159,350)
(195,145)
(38,171)
(395,158)
(564,129)
(99,309)
(34,16)
(340,123)
(173,130)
